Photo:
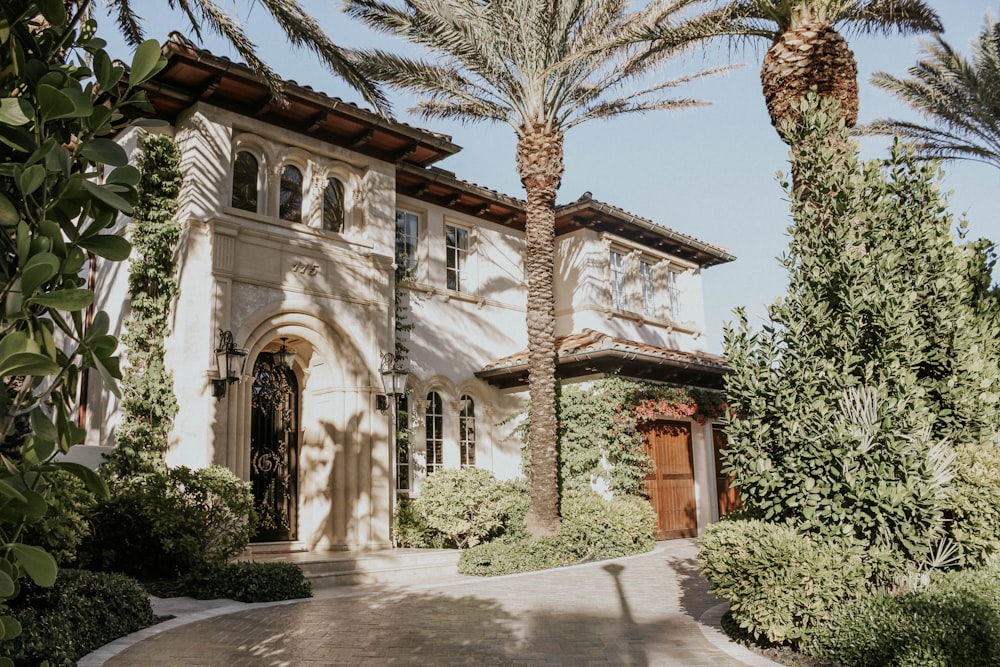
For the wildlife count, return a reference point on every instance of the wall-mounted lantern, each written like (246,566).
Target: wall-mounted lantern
(393,381)
(230,362)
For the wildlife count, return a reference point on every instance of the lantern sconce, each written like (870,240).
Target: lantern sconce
(285,356)
(393,381)
(230,362)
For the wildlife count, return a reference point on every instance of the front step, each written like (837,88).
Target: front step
(393,566)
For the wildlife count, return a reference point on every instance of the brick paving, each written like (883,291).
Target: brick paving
(643,611)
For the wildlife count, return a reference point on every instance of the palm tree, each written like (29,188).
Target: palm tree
(299,27)
(543,67)
(807,51)
(961,98)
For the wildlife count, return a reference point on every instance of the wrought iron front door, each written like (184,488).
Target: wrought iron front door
(274,449)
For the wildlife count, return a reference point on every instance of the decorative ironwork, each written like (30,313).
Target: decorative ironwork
(274,449)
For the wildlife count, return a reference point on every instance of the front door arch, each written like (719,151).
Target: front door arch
(274,449)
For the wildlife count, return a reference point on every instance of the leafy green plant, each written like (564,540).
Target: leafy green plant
(66,522)
(63,184)
(466,505)
(595,528)
(148,402)
(161,525)
(880,358)
(80,612)
(781,584)
(974,502)
(509,555)
(247,582)
(954,622)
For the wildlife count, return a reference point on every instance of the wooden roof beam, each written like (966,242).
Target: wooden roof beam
(362,138)
(316,121)
(210,87)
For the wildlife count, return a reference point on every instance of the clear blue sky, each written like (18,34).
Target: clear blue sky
(709,172)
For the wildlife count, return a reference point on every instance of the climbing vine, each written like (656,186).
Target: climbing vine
(148,399)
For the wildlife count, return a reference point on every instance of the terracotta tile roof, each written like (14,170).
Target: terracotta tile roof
(590,342)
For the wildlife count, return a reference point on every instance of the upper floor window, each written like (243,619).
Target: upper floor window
(333,206)
(617,280)
(457,251)
(407,233)
(467,432)
(290,194)
(674,293)
(648,292)
(434,427)
(245,192)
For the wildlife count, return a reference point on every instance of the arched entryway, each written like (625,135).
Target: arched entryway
(274,448)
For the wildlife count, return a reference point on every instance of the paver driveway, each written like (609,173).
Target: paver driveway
(647,610)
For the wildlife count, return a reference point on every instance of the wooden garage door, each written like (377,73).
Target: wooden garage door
(671,486)
(729,498)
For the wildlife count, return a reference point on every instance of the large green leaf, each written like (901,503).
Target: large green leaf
(105,195)
(15,111)
(54,11)
(146,62)
(91,479)
(27,363)
(39,269)
(31,179)
(76,298)
(105,151)
(7,587)
(38,563)
(53,103)
(108,246)
(9,214)
(10,628)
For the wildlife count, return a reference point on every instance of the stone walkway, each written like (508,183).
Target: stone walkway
(642,611)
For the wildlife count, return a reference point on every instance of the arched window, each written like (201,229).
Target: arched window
(434,438)
(290,196)
(467,431)
(245,170)
(333,206)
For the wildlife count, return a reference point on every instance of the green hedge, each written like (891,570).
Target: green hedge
(81,612)
(247,582)
(467,505)
(955,622)
(781,584)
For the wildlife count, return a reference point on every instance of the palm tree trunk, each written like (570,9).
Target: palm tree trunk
(540,166)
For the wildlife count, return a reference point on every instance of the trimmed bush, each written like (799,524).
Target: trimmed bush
(81,612)
(955,622)
(781,584)
(594,528)
(65,524)
(974,502)
(466,505)
(512,555)
(410,529)
(163,525)
(248,582)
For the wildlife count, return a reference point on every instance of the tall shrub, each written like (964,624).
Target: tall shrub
(880,357)
(148,402)
(55,115)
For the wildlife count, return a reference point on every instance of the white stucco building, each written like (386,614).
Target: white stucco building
(295,219)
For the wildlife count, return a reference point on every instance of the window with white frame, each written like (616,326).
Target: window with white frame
(333,205)
(434,432)
(648,289)
(407,238)
(674,292)
(245,193)
(467,431)
(617,280)
(290,194)
(457,257)
(402,443)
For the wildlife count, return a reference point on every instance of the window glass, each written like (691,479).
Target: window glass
(675,296)
(407,230)
(245,171)
(457,251)
(333,206)
(402,443)
(617,280)
(290,196)
(467,431)
(648,296)
(434,424)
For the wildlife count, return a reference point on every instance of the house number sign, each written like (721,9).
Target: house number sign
(305,268)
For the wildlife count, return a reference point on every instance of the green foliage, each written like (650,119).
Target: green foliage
(974,502)
(880,357)
(161,525)
(148,401)
(63,184)
(781,583)
(466,505)
(598,428)
(66,523)
(247,582)
(410,529)
(954,622)
(82,611)
(592,529)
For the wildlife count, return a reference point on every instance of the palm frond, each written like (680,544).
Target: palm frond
(129,23)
